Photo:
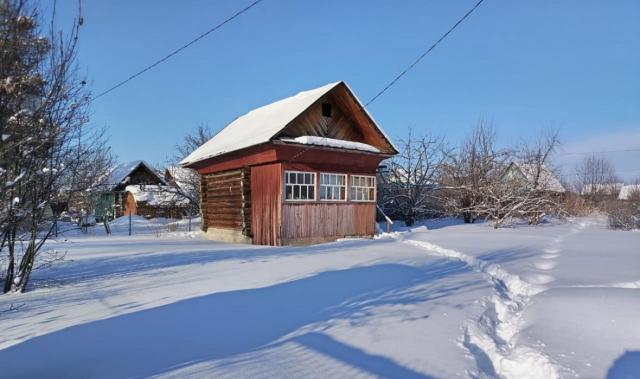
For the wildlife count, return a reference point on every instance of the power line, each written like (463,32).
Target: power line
(406,70)
(576,174)
(597,152)
(160,61)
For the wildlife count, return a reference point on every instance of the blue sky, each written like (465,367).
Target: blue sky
(526,66)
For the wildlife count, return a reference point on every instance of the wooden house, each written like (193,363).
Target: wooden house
(298,171)
(109,192)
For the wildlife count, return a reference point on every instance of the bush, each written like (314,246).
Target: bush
(624,215)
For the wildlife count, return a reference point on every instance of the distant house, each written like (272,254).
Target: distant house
(151,200)
(605,189)
(533,177)
(297,171)
(629,192)
(109,192)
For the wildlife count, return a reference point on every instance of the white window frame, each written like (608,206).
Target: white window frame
(353,190)
(313,185)
(332,186)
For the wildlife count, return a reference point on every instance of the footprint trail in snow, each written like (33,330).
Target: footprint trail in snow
(493,335)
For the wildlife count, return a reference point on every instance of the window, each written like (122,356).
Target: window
(299,186)
(333,187)
(362,188)
(326,110)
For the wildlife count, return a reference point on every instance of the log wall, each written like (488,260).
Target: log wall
(226,200)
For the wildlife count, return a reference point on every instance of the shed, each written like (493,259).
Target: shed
(298,171)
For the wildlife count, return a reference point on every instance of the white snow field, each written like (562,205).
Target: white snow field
(443,301)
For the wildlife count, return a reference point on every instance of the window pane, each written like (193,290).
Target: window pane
(296,192)
(342,193)
(303,192)
(312,193)
(288,192)
(371,194)
(299,178)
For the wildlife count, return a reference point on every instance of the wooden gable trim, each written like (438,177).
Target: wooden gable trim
(352,114)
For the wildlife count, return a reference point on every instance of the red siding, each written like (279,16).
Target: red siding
(318,222)
(266,204)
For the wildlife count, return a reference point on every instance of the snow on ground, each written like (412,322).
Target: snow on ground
(446,300)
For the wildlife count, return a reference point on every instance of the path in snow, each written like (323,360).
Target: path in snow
(492,338)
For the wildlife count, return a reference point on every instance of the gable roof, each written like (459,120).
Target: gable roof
(547,180)
(119,173)
(263,124)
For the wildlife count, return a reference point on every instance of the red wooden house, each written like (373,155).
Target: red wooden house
(297,171)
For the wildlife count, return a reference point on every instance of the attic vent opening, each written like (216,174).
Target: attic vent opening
(326,110)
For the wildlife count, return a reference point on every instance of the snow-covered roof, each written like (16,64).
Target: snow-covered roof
(628,190)
(157,195)
(118,175)
(547,180)
(331,142)
(606,188)
(262,124)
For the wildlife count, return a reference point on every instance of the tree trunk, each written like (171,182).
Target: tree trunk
(8,279)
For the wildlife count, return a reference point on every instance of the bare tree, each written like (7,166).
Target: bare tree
(596,178)
(485,182)
(529,189)
(97,160)
(413,176)
(192,141)
(474,168)
(42,116)
(186,182)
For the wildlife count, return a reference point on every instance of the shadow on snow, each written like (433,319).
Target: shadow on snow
(146,259)
(222,325)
